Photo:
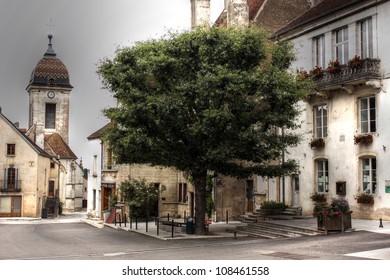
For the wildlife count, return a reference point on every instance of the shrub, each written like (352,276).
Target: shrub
(273,205)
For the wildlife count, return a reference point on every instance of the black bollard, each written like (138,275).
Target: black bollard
(158,225)
(146,224)
(168,217)
(172,228)
(380,222)
(125,219)
(227,216)
(131,222)
(136,223)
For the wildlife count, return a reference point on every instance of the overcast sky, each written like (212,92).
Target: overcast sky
(84,31)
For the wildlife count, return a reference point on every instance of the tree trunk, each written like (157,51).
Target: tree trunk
(200,201)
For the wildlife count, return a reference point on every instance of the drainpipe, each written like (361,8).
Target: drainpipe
(283,179)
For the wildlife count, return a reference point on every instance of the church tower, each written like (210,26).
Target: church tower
(200,13)
(49,90)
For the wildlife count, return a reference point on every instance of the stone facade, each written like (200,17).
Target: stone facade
(344,105)
(26,172)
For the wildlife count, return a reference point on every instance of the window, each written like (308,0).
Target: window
(367,114)
(322,176)
(321,121)
(366,39)
(182,192)
(11,179)
(341,45)
(10,149)
(50,116)
(369,175)
(319,51)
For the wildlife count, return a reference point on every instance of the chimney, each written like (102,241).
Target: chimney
(237,13)
(200,13)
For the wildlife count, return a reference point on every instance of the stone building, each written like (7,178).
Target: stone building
(29,174)
(343,44)
(63,182)
(176,192)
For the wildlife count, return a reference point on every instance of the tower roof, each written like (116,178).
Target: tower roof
(50,71)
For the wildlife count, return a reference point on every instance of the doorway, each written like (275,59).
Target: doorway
(295,190)
(10,206)
(108,191)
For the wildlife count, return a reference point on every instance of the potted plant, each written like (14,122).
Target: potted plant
(318,197)
(364,198)
(362,139)
(334,67)
(302,75)
(317,143)
(355,62)
(335,216)
(317,72)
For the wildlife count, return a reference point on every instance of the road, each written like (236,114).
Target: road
(81,241)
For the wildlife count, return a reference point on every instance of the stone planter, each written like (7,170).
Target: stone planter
(270,212)
(334,223)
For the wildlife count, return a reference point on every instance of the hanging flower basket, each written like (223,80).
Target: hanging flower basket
(317,143)
(362,139)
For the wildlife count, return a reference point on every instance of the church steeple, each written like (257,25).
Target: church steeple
(49,90)
(50,51)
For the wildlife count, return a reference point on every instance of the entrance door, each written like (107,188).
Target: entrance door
(295,189)
(107,194)
(10,206)
(51,188)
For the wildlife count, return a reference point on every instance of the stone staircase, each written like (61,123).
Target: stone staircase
(288,214)
(261,226)
(269,230)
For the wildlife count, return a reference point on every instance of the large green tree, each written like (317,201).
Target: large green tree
(204,100)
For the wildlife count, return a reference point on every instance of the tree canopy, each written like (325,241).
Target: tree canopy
(204,100)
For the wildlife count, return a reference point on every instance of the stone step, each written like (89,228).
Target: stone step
(267,232)
(284,228)
(273,230)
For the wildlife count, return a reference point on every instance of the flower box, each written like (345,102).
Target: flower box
(316,72)
(355,62)
(339,222)
(362,139)
(317,143)
(364,198)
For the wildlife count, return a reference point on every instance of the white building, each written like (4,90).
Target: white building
(348,103)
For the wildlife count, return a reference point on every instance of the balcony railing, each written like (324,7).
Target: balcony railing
(369,69)
(10,186)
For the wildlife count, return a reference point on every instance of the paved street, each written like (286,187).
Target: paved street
(69,239)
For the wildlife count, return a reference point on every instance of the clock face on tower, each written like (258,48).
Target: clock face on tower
(50,94)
